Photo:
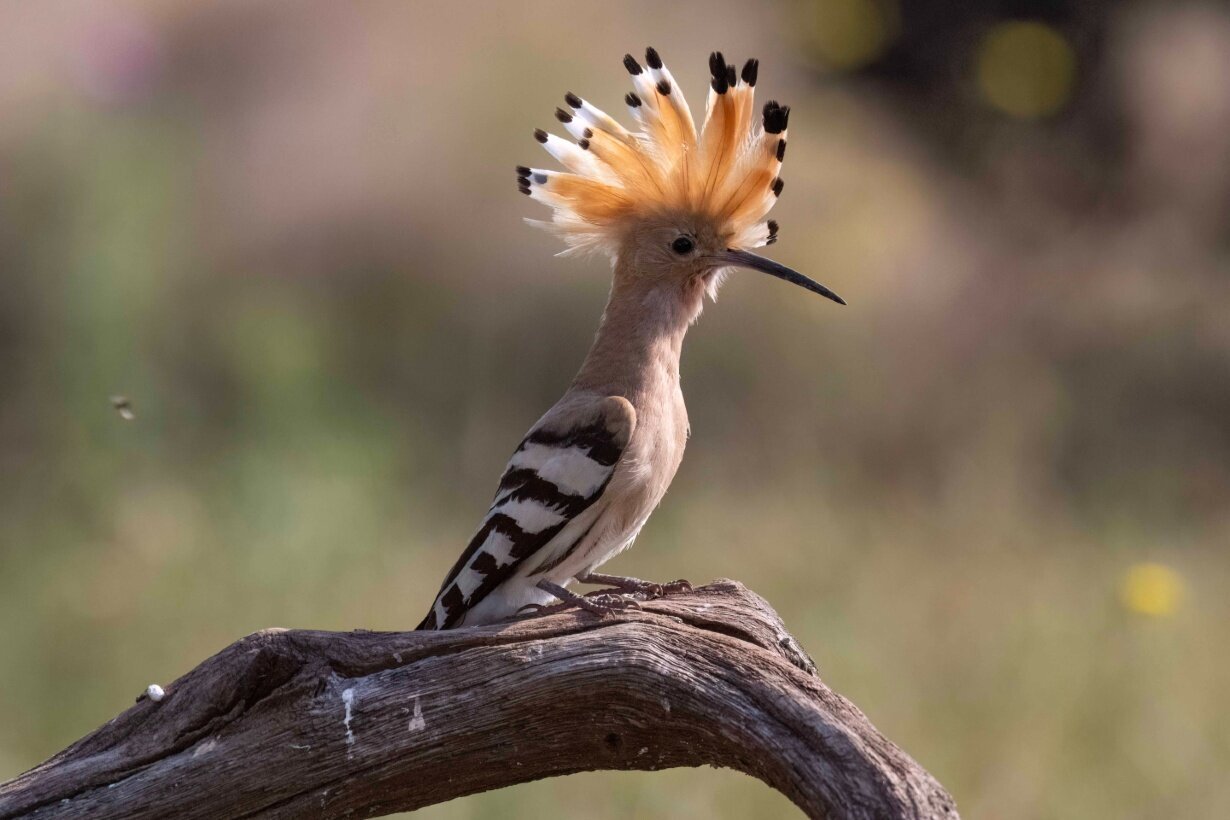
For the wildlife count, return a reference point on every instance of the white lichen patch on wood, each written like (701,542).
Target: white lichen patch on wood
(417,724)
(348,702)
(529,653)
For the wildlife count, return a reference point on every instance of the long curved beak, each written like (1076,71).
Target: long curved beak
(747,259)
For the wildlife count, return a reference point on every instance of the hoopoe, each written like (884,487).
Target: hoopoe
(675,207)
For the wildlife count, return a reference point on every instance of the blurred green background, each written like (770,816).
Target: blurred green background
(990,496)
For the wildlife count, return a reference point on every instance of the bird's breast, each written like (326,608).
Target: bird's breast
(653,456)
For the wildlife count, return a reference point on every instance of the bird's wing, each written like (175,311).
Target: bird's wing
(560,469)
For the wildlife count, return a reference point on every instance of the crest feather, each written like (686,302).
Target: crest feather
(727,171)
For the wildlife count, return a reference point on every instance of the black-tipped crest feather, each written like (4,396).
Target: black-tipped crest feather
(750,69)
(717,70)
(775,117)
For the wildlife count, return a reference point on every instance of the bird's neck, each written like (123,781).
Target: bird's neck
(636,352)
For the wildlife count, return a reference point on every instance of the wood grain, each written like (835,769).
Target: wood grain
(297,723)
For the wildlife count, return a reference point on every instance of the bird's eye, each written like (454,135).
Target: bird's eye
(682,245)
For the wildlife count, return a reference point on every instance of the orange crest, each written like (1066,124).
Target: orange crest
(726,171)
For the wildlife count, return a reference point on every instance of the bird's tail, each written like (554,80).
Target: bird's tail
(428,623)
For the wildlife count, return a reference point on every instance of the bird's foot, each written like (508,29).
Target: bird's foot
(537,610)
(602,604)
(633,586)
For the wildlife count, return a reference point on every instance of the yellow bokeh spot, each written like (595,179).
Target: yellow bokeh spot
(1026,69)
(1152,589)
(849,34)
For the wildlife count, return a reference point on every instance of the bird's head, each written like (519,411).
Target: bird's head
(671,201)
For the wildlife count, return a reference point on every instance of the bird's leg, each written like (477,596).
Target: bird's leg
(598,605)
(634,586)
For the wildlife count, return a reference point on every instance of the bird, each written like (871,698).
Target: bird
(675,206)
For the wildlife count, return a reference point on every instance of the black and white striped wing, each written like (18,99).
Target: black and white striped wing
(560,469)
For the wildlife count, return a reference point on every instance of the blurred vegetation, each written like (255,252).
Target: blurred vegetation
(990,496)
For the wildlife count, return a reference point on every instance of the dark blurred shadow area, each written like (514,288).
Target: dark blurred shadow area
(271,324)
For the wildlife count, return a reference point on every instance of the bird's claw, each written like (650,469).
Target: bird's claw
(645,590)
(648,590)
(601,604)
(535,610)
(606,602)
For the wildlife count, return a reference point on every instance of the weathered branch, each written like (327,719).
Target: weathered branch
(317,724)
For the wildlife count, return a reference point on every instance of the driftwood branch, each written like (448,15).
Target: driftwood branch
(317,724)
